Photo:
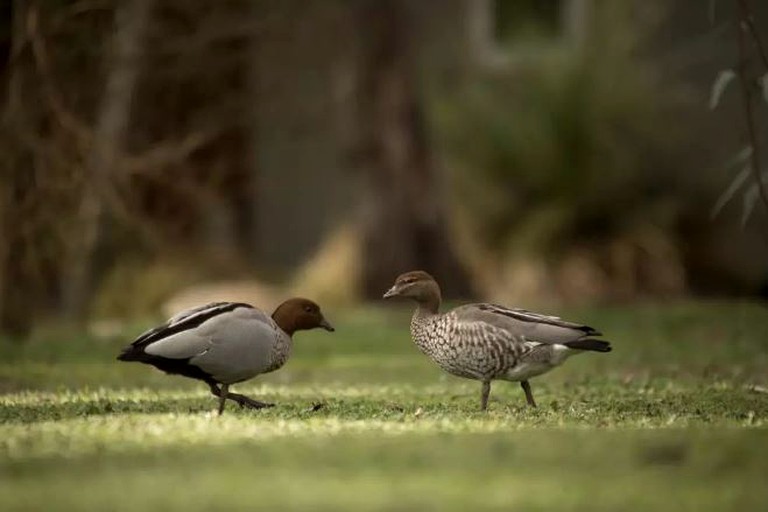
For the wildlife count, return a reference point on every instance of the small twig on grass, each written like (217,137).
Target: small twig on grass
(316,407)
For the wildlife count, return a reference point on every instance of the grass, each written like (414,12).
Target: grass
(674,419)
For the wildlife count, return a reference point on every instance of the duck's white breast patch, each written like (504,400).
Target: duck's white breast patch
(527,370)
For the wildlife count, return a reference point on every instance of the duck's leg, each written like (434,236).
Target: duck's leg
(484,393)
(528,394)
(221,394)
(223,397)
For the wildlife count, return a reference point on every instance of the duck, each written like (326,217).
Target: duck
(488,342)
(224,343)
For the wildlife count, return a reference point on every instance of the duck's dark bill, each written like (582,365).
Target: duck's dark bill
(392,292)
(326,325)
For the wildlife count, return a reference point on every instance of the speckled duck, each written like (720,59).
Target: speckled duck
(488,342)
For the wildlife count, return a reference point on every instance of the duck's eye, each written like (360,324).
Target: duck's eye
(308,309)
(409,280)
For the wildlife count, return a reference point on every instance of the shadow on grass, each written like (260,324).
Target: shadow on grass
(31,413)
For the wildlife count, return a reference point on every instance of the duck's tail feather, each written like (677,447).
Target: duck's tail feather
(131,353)
(589,344)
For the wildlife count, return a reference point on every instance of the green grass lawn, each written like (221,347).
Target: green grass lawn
(675,418)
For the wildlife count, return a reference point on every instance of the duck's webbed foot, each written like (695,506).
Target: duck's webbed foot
(241,400)
(244,401)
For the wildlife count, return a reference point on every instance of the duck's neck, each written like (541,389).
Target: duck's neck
(285,320)
(428,306)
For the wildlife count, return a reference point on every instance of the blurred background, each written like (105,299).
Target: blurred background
(540,153)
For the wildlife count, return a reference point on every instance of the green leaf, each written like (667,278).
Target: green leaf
(724,78)
(730,192)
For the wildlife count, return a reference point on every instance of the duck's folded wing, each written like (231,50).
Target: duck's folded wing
(188,319)
(227,342)
(177,338)
(526,324)
(182,345)
(231,342)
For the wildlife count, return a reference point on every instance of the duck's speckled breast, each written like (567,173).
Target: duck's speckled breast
(439,337)
(472,350)
(280,351)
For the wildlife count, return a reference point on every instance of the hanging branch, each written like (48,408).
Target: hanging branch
(746,23)
(749,22)
(64,116)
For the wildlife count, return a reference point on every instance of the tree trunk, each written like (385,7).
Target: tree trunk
(576,21)
(481,35)
(404,214)
(17,290)
(125,60)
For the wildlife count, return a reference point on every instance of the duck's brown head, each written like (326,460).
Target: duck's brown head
(300,314)
(419,286)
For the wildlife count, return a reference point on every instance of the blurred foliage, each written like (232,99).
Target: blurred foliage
(752,78)
(134,289)
(556,147)
(566,149)
(527,17)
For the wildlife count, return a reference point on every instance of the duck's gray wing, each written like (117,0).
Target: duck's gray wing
(187,319)
(181,328)
(230,346)
(523,324)
(223,342)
